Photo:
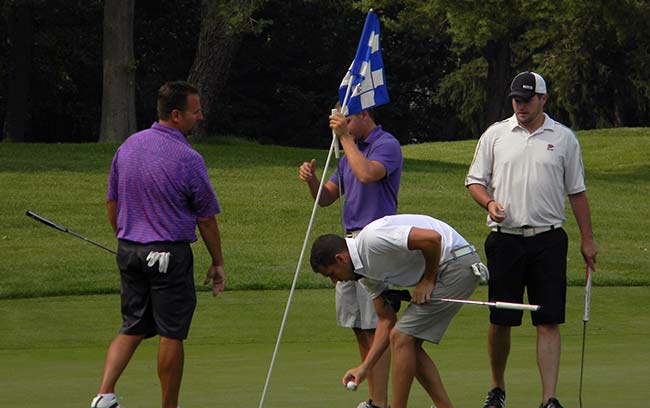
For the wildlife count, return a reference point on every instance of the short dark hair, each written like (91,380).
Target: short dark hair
(173,95)
(324,250)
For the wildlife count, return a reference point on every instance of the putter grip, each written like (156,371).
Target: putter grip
(45,221)
(517,306)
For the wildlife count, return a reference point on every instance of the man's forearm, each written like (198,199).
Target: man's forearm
(479,193)
(580,207)
(365,170)
(381,341)
(209,230)
(111,209)
(328,195)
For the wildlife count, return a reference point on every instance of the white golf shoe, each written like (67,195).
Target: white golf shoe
(105,401)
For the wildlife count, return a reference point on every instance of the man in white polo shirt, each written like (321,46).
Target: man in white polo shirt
(521,170)
(411,251)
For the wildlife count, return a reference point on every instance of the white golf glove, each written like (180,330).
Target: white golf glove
(481,271)
(161,257)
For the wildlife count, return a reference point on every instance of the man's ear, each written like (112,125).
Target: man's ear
(342,257)
(175,115)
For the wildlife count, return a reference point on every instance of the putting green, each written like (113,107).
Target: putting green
(52,349)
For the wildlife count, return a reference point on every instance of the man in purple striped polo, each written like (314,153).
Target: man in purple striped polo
(370,175)
(158,192)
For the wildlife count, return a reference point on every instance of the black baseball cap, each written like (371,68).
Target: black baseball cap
(526,85)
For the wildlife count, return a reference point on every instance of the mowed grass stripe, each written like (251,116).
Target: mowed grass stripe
(266,210)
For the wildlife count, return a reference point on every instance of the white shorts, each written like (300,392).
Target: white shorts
(354,308)
(430,320)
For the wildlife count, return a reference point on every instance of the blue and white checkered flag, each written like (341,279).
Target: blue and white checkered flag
(364,85)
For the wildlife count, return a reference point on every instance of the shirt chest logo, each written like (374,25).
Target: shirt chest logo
(550,147)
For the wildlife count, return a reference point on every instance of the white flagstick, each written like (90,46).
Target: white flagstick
(333,147)
(295,278)
(498,305)
(585,319)
(337,154)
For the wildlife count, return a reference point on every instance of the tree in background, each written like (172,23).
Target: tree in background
(166,36)
(222,25)
(64,94)
(118,91)
(19,40)
(271,69)
(418,56)
(285,76)
(597,60)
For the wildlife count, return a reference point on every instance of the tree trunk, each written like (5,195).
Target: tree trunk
(218,43)
(118,91)
(497,54)
(20,66)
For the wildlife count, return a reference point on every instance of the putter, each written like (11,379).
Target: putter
(497,305)
(585,319)
(66,230)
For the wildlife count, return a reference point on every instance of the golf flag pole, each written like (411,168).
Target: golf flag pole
(337,154)
(369,90)
(295,278)
(585,319)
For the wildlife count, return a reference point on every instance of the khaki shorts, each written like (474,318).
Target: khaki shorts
(354,308)
(430,320)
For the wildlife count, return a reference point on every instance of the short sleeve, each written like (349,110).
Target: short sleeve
(388,153)
(111,193)
(374,287)
(204,200)
(480,171)
(574,176)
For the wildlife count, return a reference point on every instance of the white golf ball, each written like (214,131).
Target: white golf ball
(351,386)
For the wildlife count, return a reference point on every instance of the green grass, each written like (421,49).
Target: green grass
(53,349)
(266,210)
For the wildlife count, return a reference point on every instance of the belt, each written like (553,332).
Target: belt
(526,231)
(458,252)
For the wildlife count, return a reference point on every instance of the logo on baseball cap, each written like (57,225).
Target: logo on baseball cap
(526,85)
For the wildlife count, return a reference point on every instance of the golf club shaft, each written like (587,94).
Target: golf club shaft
(498,305)
(585,319)
(66,230)
(582,361)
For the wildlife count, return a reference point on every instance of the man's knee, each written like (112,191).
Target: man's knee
(400,339)
(548,330)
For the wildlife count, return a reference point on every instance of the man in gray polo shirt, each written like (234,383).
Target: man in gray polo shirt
(522,168)
(411,251)
(158,192)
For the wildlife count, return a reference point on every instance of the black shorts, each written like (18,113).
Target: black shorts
(154,302)
(537,264)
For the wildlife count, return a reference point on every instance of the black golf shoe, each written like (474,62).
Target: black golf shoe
(551,403)
(496,398)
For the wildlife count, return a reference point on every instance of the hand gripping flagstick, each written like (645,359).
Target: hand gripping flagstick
(585,319)
(66,230)
(371,26)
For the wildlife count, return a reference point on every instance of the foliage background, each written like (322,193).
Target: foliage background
(448,64)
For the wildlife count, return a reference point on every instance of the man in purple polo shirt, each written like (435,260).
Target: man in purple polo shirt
(370,176)
(158,192)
